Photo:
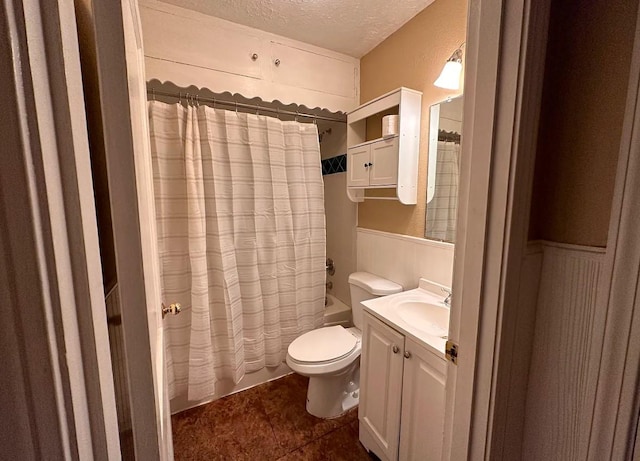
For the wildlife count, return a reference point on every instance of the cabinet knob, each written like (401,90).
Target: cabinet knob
(365,165)
(407,354)
(370,164)
(395,349)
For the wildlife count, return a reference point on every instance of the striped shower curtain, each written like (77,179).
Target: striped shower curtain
(443,208)
(241,229)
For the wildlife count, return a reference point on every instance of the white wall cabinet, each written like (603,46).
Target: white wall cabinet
(402,397)
(358,158)
(385,162)
(373,164)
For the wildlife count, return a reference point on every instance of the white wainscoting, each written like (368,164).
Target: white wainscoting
(404,259)
(560,392)
(190,48)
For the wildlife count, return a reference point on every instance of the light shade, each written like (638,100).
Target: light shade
(450,75)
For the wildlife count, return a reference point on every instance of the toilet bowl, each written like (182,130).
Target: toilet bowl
(330,356)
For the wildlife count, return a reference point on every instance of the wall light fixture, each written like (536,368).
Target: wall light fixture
(450,76)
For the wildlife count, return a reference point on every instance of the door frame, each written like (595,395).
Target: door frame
(50,241)
(617,406)
(504,72)
(506,43)
(135,246)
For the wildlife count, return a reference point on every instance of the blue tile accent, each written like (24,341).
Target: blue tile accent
(337,164)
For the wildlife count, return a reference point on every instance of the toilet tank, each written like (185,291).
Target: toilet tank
(368,286)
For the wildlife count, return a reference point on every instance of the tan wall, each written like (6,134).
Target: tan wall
(412,57)
(586,77)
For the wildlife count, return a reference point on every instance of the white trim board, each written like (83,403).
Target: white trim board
(212,21)
(190,48)
(566,246)
(409,238)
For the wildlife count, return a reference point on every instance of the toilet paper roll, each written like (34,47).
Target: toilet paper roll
(390,125)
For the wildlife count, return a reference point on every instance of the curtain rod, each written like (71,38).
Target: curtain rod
(196,98)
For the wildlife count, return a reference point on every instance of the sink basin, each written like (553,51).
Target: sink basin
(427,317)
(419,313)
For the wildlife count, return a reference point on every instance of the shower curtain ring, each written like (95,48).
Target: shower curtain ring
(257,109)
(278,112)
(197,100)
(296,119)
(153,94)
(214,102)
(188,98)
(236,106)
(180,97)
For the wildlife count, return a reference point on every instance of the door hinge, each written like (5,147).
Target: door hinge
(451,352)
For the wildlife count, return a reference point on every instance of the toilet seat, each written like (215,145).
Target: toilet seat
(325,350)
(323,345)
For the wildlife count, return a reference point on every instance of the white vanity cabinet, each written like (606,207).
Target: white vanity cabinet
(381,364)
(423,398)
(402,387)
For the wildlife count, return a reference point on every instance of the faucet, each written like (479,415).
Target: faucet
(331,269)
(447,300)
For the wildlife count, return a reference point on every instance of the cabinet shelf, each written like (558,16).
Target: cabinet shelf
(374,141)
(387,162)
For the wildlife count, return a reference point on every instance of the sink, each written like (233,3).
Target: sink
(427,317)
(419,313)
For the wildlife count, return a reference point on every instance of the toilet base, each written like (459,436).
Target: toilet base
(331,396)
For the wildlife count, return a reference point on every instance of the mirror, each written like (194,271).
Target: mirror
(445,127)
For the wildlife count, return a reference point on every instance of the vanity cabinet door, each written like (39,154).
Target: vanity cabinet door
(384,163)
(380,387)
(423,398)
(358,166)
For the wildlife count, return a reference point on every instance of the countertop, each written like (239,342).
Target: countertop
(384,308)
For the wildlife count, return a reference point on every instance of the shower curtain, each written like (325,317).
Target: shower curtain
(443,208)
(241,226)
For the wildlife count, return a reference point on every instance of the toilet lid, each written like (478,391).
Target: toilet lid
(322,345)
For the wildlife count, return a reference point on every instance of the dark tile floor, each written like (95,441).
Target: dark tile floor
(268,422)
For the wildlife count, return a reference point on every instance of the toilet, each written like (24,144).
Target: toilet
(330,356)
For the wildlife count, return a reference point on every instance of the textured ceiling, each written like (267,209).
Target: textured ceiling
(352,27)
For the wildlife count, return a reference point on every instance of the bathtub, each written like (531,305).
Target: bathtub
(336,312)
